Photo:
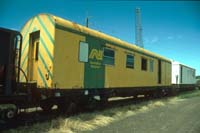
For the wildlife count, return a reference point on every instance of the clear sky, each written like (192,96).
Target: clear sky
(170,28)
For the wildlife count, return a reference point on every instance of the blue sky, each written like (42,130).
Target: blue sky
(170,28)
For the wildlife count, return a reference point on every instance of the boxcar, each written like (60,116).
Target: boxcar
(183,77)
(62,55)
(182,74)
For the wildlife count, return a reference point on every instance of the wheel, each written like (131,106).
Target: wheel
(10,114)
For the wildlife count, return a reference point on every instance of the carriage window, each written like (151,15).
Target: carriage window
(144,64)
(129,61)
(83,52)
(108,56)
(151,66)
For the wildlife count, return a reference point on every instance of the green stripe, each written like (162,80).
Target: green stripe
(106,41)
(43,79)
(28,28)
(94,75)
(27,31)
(44,63)
(25,47)
(46,49)
(22,76)
(24,61)
(26,44)
(45,29)
(51,20)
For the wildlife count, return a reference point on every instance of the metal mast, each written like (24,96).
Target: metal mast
(87,22)
(138,28)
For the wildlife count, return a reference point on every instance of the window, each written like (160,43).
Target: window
(151,65)
(129,61)
(83,52)
(108,56)
(37,51)
(144,64)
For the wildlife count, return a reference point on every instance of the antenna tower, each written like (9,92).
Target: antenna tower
(138,28)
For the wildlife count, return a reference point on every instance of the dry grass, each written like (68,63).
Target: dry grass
(91,121)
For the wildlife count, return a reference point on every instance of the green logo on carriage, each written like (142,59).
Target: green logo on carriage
(96,54)
(96,57)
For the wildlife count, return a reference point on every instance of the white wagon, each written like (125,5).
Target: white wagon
(182,74)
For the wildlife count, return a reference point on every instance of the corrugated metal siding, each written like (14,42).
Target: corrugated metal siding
(182,74)
(188,76)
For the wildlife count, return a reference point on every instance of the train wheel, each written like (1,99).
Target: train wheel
(10,114)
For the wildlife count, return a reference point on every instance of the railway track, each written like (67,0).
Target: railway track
(38,116)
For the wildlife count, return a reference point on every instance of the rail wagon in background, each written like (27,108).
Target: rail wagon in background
(64,58)
(183,75)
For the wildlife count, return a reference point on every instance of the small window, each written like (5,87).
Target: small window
(144,64)
(108,56)
(151,66)
(83,52)
(37,51)
(129,61)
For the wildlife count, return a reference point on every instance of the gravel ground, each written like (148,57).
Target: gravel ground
(179,117)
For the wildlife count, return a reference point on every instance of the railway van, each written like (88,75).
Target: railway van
(63,63)
(54,61)
(60,54)
(183,76)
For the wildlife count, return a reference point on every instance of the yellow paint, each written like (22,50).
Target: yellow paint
(32,61)
(120,76)
(68,70)
(83,29)
(50,46)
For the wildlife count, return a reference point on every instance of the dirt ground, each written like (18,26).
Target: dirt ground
(182,116)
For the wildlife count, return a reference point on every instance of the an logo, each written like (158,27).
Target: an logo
(96,54)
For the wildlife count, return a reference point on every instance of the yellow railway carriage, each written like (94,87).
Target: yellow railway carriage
(65,64)
(57,53)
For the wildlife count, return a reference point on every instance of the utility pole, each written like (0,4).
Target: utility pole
(87,22)
(138,28)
